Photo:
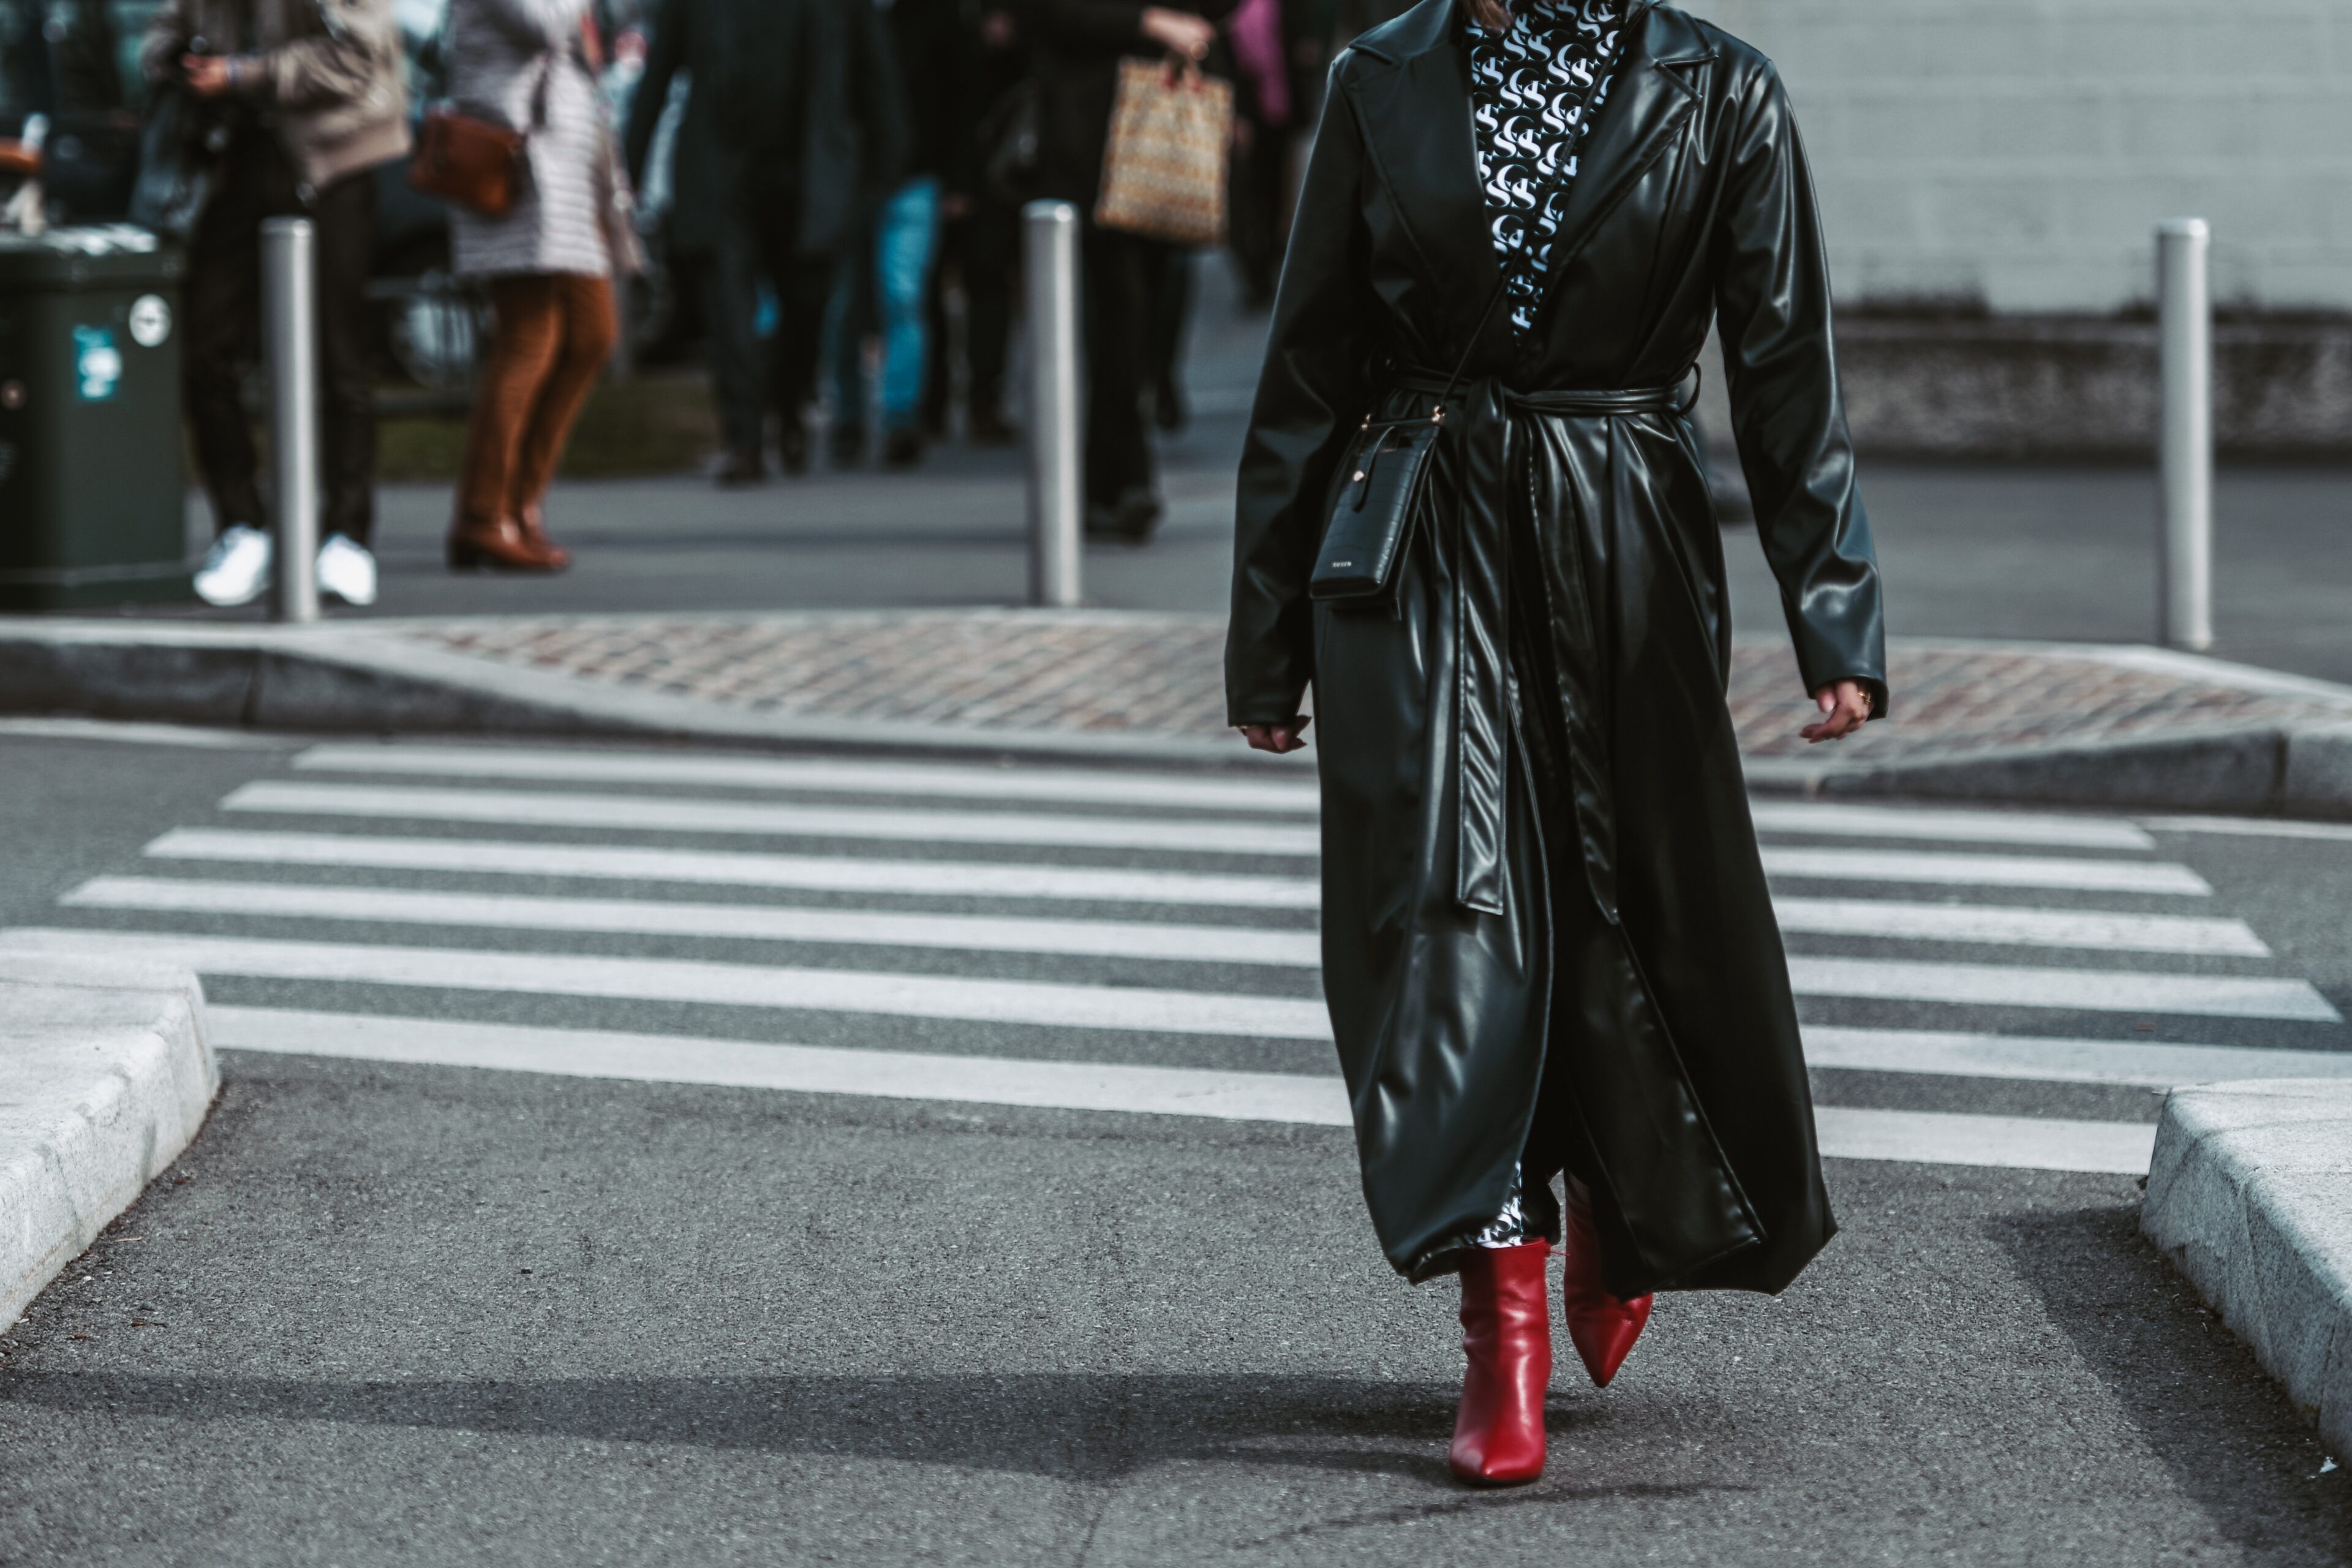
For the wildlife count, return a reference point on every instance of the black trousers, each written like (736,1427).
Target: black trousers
(980,253)
(221,304)
(759,240)
(1124,277)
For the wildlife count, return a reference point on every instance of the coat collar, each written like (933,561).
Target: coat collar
(1413,93)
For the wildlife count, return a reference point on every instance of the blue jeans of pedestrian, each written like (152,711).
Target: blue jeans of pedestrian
(894,274)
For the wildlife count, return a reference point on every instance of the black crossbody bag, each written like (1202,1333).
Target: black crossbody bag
(1371,522)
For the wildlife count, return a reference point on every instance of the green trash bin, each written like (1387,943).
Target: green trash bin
(93,496)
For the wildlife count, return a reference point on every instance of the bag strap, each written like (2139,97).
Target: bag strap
(1471,347)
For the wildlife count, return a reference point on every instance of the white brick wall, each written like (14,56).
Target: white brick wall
(2022,152)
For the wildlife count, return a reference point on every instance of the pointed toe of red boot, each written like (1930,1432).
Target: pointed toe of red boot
(1498,1432)
(1602,1327)
(1604,1332)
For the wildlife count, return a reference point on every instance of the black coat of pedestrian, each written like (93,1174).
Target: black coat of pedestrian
(1539,871)
(698,170)
(800,98)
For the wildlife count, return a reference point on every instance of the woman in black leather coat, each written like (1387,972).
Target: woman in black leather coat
(1547,943)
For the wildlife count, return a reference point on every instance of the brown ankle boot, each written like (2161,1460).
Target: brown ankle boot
(533,521)
(500,545)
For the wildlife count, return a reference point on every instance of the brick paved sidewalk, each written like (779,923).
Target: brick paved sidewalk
(1159,675)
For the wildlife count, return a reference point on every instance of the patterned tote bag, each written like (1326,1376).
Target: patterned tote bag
(1164,165)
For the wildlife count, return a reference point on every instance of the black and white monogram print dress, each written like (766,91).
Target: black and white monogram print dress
(1534,87)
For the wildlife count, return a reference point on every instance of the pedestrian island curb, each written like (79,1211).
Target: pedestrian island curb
(2250,1195)
(105,1076)
(2073,723)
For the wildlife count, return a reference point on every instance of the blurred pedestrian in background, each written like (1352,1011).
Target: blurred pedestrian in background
(979,241)
(1079,44)
(548,264)
(1262,133)
(809,121)
(300,99)
(885,273)
(690,175)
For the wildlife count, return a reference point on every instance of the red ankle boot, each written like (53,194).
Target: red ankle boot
(1498,1433)
(1602,1328)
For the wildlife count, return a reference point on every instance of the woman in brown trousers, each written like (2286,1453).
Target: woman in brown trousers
(548,265)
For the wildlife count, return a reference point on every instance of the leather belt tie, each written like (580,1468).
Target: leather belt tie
(1478,417)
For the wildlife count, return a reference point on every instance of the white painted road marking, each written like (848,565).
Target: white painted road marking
(2103,929)
(2253,828)
(808,873)
(2090,990)
(2015,1143)
(671,814)
(2151,1065)
(1203,792)
(740,922)
(1961,826)
(1904,1136)
(722,984)
(1984,871)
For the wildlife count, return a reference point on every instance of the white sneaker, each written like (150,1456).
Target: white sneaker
(346,570)
(236,568)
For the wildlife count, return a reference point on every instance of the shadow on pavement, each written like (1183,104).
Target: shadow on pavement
(2191,1388)
(1068,1425)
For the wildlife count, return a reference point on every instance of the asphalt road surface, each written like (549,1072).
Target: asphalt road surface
(638,1157)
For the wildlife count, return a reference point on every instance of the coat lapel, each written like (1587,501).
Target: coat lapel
(1648,101)
(1413,99)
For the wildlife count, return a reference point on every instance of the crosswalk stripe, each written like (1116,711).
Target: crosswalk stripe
(806,873)
(1984,871)
(725,985)
(665,813)
(1959,826)
(2093,929)
(2254,827)
(2027,1142)
(896,1075)
(1076,785)
(1857,916)
(1908,1137)
(1123,1007)
(2059,1060)
(749,923)
(2084,990)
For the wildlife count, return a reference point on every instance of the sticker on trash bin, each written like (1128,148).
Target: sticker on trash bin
(151,320)
(98,364)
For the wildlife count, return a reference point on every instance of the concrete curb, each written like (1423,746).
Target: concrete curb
(2250,1195)
(366,678)
(105,1076)
(351,679)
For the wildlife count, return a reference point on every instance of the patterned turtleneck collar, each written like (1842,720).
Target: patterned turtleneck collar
(1533,88)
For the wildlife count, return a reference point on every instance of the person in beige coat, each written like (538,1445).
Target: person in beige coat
(300,99)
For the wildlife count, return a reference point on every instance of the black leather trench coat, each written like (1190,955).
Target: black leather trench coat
(1544,912)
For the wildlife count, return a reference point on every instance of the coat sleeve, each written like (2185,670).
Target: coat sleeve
(1105,26)
(667,53)
(1773,304)
(1310,394)
(164,41)
(357,56)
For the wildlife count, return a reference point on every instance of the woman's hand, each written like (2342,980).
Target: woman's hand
(1277,738)
(1844,706)
(1179,33)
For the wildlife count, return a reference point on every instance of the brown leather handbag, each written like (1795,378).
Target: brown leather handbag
(468,162)
(475,163)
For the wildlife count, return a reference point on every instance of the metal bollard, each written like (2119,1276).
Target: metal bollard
(2184,577)
(290,303)
(1050,242)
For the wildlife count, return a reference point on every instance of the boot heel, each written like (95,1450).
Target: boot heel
(463,557)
